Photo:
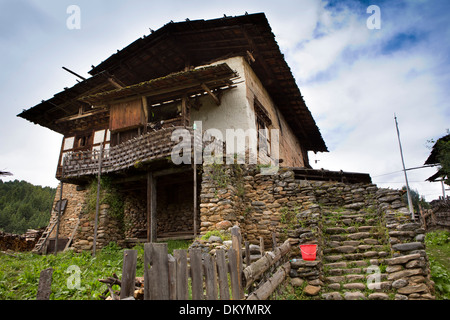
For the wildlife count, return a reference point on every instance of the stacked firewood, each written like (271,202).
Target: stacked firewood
(15,242)
(114,294)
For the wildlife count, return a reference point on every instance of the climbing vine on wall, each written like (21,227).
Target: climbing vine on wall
(108,195)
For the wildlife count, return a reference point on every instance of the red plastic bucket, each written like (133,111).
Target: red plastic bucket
(308,251)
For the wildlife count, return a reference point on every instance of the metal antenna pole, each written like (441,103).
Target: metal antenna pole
(410,205)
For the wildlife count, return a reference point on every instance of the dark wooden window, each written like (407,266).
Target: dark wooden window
(263,123)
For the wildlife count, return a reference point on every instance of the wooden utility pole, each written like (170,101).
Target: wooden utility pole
(97,205)
(151,207)
(410,204)
(59,208)
(195,200)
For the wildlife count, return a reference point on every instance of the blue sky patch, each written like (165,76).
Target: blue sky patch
(401,41)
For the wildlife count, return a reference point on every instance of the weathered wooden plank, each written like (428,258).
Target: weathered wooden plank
(257,268)
(234,279)
(210,277)
(172,278)
(261,245)
(156,276)
(222,273)
(265,290)
(128,273)
(151,207)
(45,284)
(247,252)
(196,273)
(274,241)
(237,245)
(126,115)
(182,274)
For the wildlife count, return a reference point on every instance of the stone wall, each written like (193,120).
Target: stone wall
(76,202)
(438,216)
(109,229)
(408,269)
(365,227)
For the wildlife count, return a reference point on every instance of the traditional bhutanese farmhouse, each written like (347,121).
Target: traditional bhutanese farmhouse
(190,77)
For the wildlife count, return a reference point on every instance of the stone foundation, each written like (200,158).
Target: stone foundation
(109,229)
(359,229)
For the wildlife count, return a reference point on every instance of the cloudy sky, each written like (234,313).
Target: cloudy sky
(353,78)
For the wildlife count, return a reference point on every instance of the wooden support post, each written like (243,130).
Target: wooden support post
(222,271)
(247,253)
(211,94)
(59,215)
(184,111)
(172,277)
(195,200)
(182,274)
(210,277)
(196,273)
(45,284)
(156,271)
(234,278)
(151,207)
(274,241)
(261,246)
(97,205)
(236,245)
(128,274)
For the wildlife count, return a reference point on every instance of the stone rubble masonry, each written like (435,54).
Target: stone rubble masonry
(294,209)
(109,229)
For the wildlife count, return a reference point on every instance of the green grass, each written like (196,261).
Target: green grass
(19,276)
(438,251)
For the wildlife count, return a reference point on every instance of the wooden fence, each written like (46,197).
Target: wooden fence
(191,274)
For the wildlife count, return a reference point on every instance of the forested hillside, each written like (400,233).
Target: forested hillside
(24,206)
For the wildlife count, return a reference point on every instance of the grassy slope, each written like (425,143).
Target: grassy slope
(19,276)
(438,250)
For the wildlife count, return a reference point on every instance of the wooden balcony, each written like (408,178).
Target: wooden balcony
(132,153)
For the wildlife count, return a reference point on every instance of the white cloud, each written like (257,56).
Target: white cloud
(353,90)
(352,81)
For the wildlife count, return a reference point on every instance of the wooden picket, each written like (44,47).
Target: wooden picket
(191,274)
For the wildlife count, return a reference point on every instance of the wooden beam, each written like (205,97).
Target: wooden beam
(80,116)
(151,207)
(195,201)
(184,115)
(236,239)
(97,205)
(128,274)
(215,98)
(114,83)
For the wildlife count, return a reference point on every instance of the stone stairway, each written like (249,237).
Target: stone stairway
(355,246)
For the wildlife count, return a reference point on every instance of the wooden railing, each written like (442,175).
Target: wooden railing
(147,147)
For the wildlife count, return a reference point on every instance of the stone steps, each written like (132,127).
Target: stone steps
(354,248)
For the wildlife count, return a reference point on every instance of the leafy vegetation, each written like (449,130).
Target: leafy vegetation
(19,275)
(416,199)
(109,195)
(442,152)
(24,206)
(438,250)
